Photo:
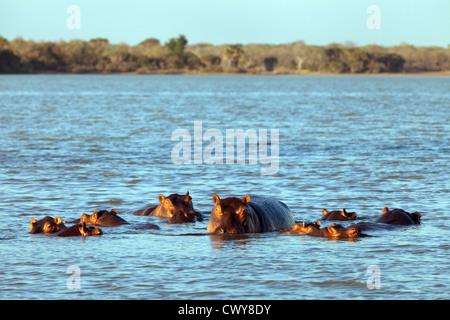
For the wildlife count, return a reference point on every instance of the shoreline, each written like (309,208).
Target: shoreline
(275,73)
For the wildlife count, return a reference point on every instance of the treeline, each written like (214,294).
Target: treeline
(176,56)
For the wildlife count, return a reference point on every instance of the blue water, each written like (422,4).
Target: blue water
(77,143)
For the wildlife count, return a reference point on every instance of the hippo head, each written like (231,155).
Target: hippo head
(78,230)
(93,218)
(229,215)
(338,215)
(303,228)
(415,216)
(46,225)
(103,218)
(88,231)
(399,216)
(338,231)
(176,205)
(182,217)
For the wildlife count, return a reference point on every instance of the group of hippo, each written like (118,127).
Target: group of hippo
(253,214)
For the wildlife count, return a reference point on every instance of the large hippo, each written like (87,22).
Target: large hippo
(79,230)
(46,225)
(399,217)
(338,215)
(303,228)
(103,218)
(177,208)
(248,215)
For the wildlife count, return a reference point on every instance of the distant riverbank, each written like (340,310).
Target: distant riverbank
(275,73)
(177,57)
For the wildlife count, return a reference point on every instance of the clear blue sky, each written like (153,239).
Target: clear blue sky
(418,22)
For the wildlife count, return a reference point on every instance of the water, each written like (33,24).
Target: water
(78,143)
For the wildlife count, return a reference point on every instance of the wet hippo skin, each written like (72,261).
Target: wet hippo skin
(79,230)
(399,217)
(103,218)
(338,215)
(177,208)
(46,225)
(303,228)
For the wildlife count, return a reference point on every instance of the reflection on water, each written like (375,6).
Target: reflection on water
(235,241)
(78,143)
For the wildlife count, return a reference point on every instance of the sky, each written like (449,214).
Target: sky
(316,22)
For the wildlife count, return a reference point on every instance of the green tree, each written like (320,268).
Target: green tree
(357,60)
(177,45)
(9,62)
(335,59)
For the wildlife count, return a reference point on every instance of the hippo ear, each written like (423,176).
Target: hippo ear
(161,198)
(33,220)
(83,229)
(216,199)
(304,224)
(319,223)
(58,220)
(246,199)
(324,211)
(344,213)
(187,198)
(94,215)
(385,209)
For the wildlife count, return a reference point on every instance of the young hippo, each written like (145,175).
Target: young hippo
(337,231)
(338,215)
(399,217)
(178,208)
(46,225)
(303,228)
(103,218)
(79,230)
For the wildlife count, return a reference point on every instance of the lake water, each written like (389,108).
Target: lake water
(78,143)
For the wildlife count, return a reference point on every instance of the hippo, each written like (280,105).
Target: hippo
(145,211)
(103,218)
(182,217)
(337,231)
(248,215)
(399,217)
(47,225)
(303,228)
(79,229)
(177,208)
(338,215)
(365,226)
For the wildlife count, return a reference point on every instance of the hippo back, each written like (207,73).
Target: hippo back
(268,215)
